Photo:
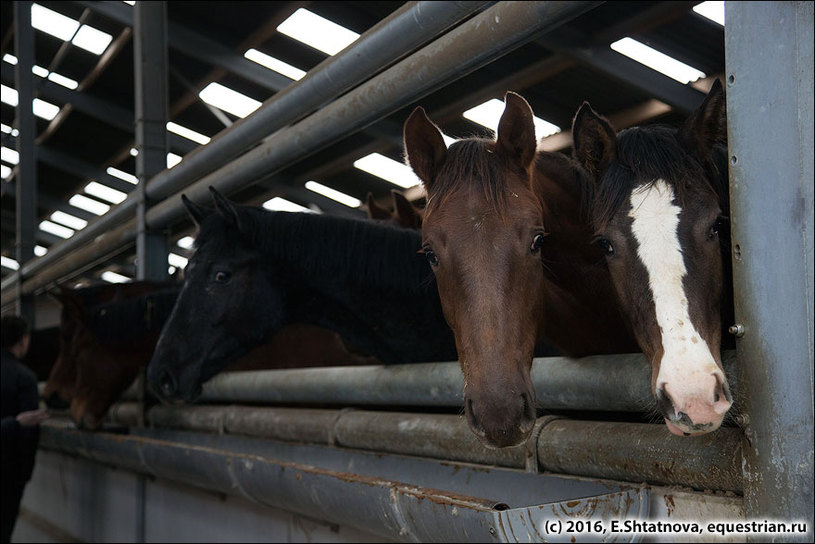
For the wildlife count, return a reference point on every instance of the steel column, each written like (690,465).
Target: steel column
(26,198)
(150,64)
(769,59)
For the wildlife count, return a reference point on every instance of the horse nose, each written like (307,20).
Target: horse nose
(694,410)
(504,425)
(167,384)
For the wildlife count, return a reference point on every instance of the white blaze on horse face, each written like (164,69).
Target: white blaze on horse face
(688,370)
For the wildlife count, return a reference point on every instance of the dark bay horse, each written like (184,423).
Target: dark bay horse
(506,235)
(404,212)
(254,271)
(659,209)
(107,344)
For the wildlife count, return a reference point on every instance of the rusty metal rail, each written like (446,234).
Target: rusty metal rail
(632,452)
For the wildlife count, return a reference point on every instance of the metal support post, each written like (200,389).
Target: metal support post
(769,48)
(26,197)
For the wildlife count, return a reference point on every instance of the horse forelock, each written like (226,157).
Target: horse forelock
(644,156)
(472,165)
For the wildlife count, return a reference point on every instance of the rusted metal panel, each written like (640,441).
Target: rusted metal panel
(388,496)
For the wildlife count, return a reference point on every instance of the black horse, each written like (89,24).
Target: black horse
(255,271)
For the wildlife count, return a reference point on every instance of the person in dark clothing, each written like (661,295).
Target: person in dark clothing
(20,419)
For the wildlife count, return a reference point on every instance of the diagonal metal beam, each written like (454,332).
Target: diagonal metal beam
(198,47)
(95,107)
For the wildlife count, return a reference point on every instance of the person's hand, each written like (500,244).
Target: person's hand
(32,417)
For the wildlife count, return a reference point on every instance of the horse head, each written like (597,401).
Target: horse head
(482,233)
(659,212)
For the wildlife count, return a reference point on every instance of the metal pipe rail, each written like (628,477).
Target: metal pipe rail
(615,383)
(395,36)
(469,46)
(633,452)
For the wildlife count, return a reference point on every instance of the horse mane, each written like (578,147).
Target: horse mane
(360,252)
(122,321)
(473,160)
(650,153)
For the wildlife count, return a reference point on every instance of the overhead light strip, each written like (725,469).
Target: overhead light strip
(333,194)
(489,115)
(318,32)
(656,60)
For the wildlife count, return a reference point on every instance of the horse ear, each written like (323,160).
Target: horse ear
(225,208)
(406,213)
(516,130)
(595,140)
(375,211)
(196,212)
(424,146)
(706,127)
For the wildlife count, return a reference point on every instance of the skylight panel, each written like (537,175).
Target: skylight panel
(129,2)
(11,59)
(186,242)
(489,114)
(68,220)
(228,100)
(274,64)
(39,71)
(8,95)
(39,251)
(60,79)
(5,128)
(5,171)
(333,194)
(318,32)
(88,204)
(187,133)
(56,230)
(53,23)
(125,176)
(44,110)
(176,260)
(9,155)
(279,204)
(712,10)
(134,152)
(9,263)
(173,159)
(112,277)
(91,39)
(656,60)
(108,194)
(388,169)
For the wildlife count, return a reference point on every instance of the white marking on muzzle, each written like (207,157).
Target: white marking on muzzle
(688,366)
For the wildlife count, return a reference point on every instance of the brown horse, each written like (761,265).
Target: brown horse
(106,346)
(505,233)
(661,199)
(404,213)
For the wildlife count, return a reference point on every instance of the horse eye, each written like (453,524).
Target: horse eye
(717,225)
(608,248)
(431,256)
(222,277)
(537,242)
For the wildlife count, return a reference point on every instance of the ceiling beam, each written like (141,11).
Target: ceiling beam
(198,47)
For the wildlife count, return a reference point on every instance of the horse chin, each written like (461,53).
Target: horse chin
(679,431)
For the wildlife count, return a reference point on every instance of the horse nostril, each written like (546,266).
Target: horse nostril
(716,396)
(168,384)
(471,419)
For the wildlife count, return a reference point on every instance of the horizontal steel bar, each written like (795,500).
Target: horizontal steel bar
(633,452)
(619,383)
